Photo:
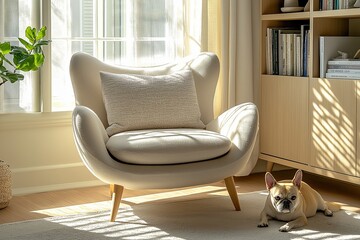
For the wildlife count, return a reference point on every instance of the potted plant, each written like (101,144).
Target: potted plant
(30,57)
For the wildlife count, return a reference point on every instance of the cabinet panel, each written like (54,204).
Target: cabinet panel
(284,117)
(333,125)
(358,127)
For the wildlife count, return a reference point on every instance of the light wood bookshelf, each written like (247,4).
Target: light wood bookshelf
(310,123)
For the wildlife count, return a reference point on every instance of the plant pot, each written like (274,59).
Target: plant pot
(5,185)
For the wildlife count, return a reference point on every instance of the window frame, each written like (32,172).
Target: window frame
(42,80)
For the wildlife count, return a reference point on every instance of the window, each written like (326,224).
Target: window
(126,32)
(16,97)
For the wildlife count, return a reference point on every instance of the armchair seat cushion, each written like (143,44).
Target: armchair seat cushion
(167,146)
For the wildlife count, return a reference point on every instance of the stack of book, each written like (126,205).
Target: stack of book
(287,51)
(329,56)
(336,4)
(343,68)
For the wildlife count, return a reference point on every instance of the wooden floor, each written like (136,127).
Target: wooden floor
(93,199)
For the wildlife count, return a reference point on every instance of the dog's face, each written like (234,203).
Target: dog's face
(284,196)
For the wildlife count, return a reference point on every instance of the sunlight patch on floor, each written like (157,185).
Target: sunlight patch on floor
(316,235)
(125,202)
(77,209)
(129,227)
(173,194)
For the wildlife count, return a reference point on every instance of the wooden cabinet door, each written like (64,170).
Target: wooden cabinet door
(358,127)
(284,117)
(333,125)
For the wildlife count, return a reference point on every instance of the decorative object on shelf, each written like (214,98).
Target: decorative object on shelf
(357,4)
(291,6)
(342,55)
(307,7)
(5,185)
(27,58)
(357,54)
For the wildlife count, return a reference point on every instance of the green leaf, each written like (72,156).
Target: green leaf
(26,64)
(42,43)
(18,57)
(28,46)
(30,33)
(38,60)
(5,48)
(12,77)
(41,34)
(18,50)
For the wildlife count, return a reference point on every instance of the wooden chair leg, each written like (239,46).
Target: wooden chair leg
(230,186)
(116,199)
(111,189)
(269,166)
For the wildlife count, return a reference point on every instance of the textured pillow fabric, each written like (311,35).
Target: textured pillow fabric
(135,102)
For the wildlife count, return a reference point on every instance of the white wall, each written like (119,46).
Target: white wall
(41,153)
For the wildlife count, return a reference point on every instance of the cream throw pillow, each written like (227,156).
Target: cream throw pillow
(136,102)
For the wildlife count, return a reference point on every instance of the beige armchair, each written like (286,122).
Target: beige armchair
(162,158)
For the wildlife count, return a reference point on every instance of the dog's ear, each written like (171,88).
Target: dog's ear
(269,181)
(297,178)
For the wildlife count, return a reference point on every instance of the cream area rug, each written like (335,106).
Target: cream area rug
(207,218)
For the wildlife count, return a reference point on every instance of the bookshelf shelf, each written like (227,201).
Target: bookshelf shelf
(303,120)
(286,16)
(341,13)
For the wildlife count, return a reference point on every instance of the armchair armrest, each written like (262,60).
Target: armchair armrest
(240,124)
(90,136)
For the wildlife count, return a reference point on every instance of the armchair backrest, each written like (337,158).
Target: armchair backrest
(85,77)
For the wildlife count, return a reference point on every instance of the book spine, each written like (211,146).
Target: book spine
(268,50)
(283,39)
(322,60)
(343,75)
(305,59)
(308,54)
(280,54)
(275,51)
(289,55)
(298,53)
(339,70)
(343,62)
(303,28)
(295,54)
(330,5)
(343,66)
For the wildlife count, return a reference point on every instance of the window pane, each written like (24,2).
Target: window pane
(62,50)
(150,18)
(17,97)
(114,16)
(124,32)
(73,18)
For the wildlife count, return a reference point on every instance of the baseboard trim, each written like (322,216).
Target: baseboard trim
(55,187)
(47,167)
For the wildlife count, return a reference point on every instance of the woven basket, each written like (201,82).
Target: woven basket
(5,185)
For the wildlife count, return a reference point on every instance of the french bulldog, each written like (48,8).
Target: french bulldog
(292,201)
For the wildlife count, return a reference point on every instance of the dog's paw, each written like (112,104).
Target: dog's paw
(261,225)
(285,228)
(328,213)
